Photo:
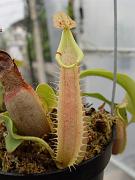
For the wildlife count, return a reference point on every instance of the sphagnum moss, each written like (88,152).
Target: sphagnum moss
(30,158)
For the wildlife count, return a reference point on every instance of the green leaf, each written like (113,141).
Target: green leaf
(13,140)
(130,107)
(19,63)
(11,143)
(47,95)
(122,79)
(97,96)
(122,113)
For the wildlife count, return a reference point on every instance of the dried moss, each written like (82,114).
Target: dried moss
(30,158)
(100,131)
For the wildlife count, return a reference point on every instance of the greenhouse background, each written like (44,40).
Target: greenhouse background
(94,34)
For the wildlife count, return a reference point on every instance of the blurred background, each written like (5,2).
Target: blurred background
(28,35)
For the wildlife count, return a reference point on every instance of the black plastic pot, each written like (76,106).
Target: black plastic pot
(89,170)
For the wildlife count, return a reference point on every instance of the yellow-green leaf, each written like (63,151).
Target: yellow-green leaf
(47,95)
(97,96)
(19,63)
(123,80)
(13,140)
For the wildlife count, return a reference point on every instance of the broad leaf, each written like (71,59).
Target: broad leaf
(47,95)
(97,96)
(19,63)
(130,107)
(122,79)
(12,143)
(13,140)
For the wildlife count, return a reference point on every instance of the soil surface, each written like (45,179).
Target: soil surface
(30,158)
